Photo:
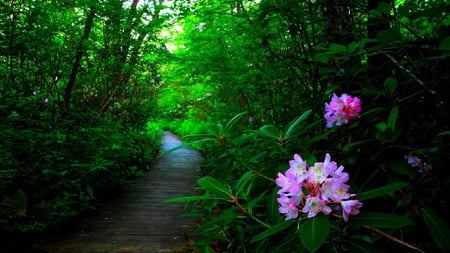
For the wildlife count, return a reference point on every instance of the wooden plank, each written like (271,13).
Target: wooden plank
(137,220)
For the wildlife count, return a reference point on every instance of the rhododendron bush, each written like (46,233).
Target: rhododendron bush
(285,189)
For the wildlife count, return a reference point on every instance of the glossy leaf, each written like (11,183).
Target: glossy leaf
(314,232)
(243,185)
(273,230)
(192,198)
(272,207)
(270,131)
(292,126)
(232,122)
(211,184)
(392,119)
(380,220)
(381,191)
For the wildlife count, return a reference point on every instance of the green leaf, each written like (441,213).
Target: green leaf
(291,127)
(384,190)
(443,133)
(192,198)
(273,230)
(270,131)
(272,207)
(384,8)
(392,119)
(352,145)
(381,127)
(437,227)
(211,184)
(338,48)
(390,84)
(380,220)
(389,35)
(445,44)
(314,232)
(232,121)
(244,180)
(402,168)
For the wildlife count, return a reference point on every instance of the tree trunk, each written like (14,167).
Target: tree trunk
(338,16)
(78,56)
(377,62)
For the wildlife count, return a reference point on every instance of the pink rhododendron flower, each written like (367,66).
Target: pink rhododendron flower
(350,207)
(342,109)
(315,189)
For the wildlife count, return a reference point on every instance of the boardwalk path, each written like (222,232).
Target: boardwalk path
(138,221)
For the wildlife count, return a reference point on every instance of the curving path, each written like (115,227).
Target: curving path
(137,220)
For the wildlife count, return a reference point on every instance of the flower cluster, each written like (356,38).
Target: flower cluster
(415,161)
(315,189)
(342,109)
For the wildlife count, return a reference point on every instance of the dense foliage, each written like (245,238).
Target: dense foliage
(74,112)
(86,87)
(271,66)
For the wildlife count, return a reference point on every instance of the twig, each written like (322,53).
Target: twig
(407,71)
(395,239)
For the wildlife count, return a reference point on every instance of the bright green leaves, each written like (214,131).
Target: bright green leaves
(283,136)
(314,232)
(221,131)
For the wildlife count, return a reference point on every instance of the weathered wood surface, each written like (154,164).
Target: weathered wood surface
(137,220)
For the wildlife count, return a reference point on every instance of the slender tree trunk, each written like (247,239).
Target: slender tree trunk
(78,56)
(377,63)
(338,16)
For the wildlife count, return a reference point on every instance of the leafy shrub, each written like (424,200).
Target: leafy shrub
(54,166)
(402,198)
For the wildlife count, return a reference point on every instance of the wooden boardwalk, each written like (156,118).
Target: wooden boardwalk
(137,220)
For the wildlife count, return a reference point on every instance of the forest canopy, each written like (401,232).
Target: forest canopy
(88,86)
